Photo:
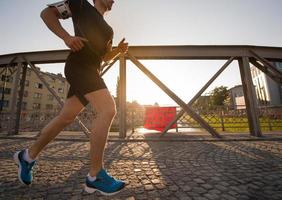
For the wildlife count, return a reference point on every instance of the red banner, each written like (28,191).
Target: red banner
(157,118)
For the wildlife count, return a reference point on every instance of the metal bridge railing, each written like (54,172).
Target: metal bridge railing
(221,119)
(260,57)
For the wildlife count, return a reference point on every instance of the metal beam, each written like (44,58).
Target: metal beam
(39,57)
(199,94)
(122,97)
(250,97)
(187,108)
(21,93)
(106,68)
(160,52)
(3,70)
(13,109)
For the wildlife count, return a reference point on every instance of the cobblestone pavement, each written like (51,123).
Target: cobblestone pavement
(153,170)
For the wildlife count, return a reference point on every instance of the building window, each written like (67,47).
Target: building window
(4,103)
(26,83)
(28,72)
(6,91)
(25,93)
(24,105)
(61,90)
(39,85)
(37,95)
(50,97)
(36,106)
(49,106)
(7,78)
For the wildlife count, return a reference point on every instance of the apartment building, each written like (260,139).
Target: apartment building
(36,95)
(269,93)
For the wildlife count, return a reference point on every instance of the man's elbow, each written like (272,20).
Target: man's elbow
(49,11)
(43,13)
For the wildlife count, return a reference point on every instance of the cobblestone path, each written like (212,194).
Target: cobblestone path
(153,170)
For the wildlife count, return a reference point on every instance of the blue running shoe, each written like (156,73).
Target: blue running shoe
(24,168)
(105,184)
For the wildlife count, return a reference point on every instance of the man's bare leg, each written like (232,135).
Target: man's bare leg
(70,110)
(104,105)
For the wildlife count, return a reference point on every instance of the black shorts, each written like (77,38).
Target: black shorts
(83,76)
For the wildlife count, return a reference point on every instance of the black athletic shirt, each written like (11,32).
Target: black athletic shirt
(90,24)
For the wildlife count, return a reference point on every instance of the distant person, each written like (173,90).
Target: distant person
(91,45)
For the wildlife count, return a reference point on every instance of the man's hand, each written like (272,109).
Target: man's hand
(112,54)
(75,43)
(123,46)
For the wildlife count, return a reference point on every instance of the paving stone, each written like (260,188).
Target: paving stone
(199,190)
(149,187)
(130,198)
(156,181)
(141,197)
(198,180)
(228,197)
(181,195)
(160,186)
(221,188)
(173,188)
(153,170)
(165,193)
(212,196)
(153,194)
(145,182)
(215,191)
(207,186)
(185,198)
(200,198)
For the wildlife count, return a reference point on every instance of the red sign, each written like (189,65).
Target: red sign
(157,118)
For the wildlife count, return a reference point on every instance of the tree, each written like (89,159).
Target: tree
(202,103)
(219,95)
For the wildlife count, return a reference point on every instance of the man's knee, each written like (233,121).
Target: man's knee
(109,111)
(66,120)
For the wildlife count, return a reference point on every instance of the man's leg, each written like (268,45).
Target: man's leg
(104,105)
(72,107)
(98,179)
(26,158)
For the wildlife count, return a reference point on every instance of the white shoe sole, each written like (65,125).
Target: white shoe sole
(17,161)
(91,190)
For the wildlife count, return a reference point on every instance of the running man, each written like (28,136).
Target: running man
(90,46)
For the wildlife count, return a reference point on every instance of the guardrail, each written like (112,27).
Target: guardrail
(221,119)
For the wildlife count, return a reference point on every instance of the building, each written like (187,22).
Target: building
(36,95)
(269,93)
(236,95)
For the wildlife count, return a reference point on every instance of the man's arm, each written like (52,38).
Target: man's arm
(51,16)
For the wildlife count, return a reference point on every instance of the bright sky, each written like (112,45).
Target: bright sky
(157,22)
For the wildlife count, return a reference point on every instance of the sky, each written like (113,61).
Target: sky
(156,22)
